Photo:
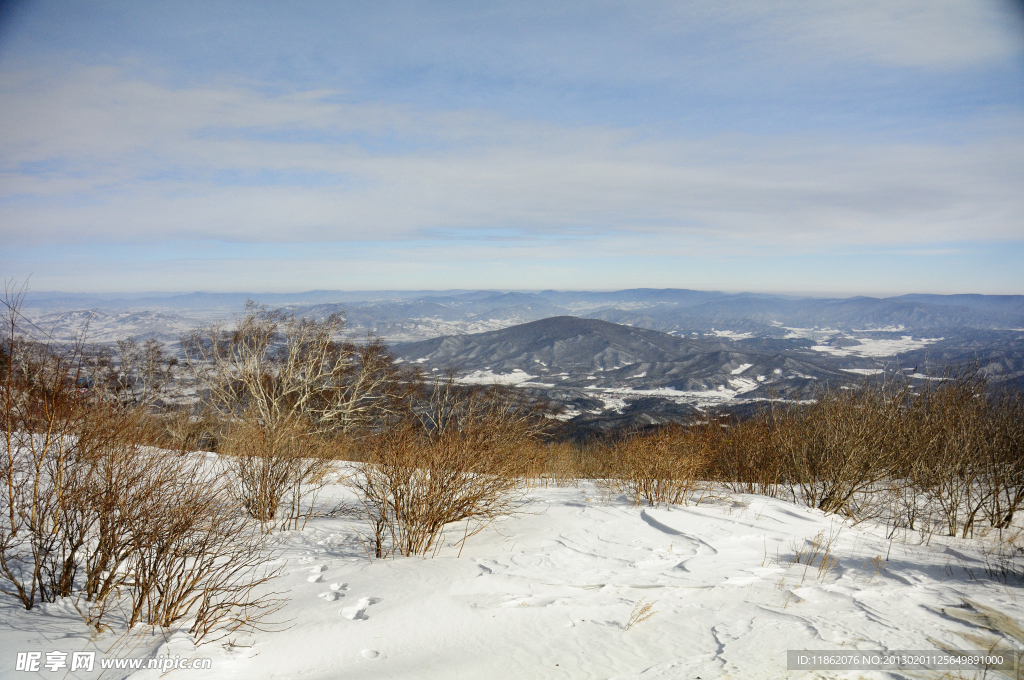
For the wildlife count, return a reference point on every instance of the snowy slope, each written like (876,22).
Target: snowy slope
(546,594)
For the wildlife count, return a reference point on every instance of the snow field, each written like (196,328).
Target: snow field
(547,594)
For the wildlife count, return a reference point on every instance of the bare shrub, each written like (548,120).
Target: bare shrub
(664,466)
(949,435)
(135,375)
(41,409)
(841,446)
(278,471)
(966,447)
(559,463)
(200,559)
(186,428)
(92,513)
(164,541)
(742,455)
(1004,465)
(274,366)
(943,456)
(282,384)
(464,459)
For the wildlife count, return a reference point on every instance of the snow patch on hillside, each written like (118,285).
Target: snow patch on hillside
(698,398)
(516,377)
(872,347)
(732,335)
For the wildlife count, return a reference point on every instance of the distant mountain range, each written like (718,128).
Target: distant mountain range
(675,310)
(606,374)
(633,356)
(597,368)
(568,351)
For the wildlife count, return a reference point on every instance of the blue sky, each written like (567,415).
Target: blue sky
(821,147)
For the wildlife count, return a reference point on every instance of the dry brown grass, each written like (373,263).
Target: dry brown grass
(642,611)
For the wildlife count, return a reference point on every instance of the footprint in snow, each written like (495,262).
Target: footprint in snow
(339,586)
(370,654)
(358,610)
(316,578)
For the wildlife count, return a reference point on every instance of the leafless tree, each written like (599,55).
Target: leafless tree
(288,390)
(274,365)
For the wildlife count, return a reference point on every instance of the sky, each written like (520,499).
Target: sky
(828,147)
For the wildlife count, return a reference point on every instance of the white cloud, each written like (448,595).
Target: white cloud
(945,34)
(98,155)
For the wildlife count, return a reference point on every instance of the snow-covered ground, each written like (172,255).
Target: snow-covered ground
(548,593)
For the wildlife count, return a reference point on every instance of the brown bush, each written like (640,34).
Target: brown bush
(90,512)
(664,466)
(277,472)
(742,455)
(464,459)
(941,456)
(965,446)
(286,390)
(42,410)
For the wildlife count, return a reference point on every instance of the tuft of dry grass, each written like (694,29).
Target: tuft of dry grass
(816,551)
(642,611)
(877,566)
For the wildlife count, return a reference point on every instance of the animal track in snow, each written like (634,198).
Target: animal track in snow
(316,571)
(331,595)
(339,586)
(358,610)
